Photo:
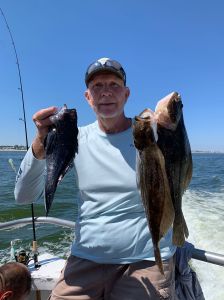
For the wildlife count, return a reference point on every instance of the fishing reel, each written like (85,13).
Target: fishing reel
(23,257)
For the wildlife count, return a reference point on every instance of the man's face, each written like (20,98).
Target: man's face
(107,95)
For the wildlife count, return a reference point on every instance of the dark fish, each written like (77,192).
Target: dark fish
(61,145)
(152,181)
(174,144)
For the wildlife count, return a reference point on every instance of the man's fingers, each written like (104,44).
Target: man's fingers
(41,118)
(42,123)
(44,113)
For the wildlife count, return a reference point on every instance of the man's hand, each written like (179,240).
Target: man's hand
(42,122)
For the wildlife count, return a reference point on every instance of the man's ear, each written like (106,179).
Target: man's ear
(127,93)
(6,295)
(88,98)
(86,94)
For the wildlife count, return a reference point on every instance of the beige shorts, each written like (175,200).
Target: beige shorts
(82,279)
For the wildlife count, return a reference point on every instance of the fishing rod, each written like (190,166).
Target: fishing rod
(35,253)
(20,78)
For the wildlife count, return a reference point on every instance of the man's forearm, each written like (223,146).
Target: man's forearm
(30,179)
(38,148)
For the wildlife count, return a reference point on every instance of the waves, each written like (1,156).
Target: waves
(204,213)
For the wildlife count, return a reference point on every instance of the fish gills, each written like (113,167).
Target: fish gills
(174,144)
(61,145)
(153,184)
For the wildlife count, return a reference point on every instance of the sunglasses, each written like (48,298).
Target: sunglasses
(108,64)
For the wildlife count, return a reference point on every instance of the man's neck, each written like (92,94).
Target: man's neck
(114,125)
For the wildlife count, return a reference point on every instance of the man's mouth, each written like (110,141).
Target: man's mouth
(107,104)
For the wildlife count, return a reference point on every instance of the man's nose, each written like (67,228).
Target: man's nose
(106,91)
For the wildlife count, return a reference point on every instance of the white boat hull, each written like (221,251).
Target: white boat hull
(45,277)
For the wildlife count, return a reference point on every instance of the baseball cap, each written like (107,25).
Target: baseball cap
(105,64)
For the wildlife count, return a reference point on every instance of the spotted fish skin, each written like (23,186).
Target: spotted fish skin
(174,144)
(61,145)
(152,182)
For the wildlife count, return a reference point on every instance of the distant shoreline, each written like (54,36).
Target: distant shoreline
(193,152)
(12,150)
(207,152)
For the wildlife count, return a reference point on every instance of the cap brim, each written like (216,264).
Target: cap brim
(103,70)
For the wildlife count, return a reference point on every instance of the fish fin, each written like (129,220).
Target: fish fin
(48,200)
(69,166)
(168,215)
(189,173)
(180,230)
(47,205)
(158,258)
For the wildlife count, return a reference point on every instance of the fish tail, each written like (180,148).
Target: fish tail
(158,259)
(50,188)
(180,230)
(48,201)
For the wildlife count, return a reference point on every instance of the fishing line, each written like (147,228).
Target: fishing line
(35,257)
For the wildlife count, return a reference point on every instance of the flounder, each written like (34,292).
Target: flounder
(152,180)
(174,144)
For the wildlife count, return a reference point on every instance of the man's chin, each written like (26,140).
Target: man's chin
(108,115)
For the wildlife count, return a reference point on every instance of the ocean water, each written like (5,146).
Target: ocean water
(203,206)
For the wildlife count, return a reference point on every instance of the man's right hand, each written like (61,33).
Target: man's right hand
(42,122)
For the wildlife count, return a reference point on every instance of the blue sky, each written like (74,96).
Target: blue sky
(163,46)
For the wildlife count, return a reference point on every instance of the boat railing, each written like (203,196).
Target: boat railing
(49,220)
(198,254)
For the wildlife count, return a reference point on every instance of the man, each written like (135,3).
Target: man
(15,281)
(112,256)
